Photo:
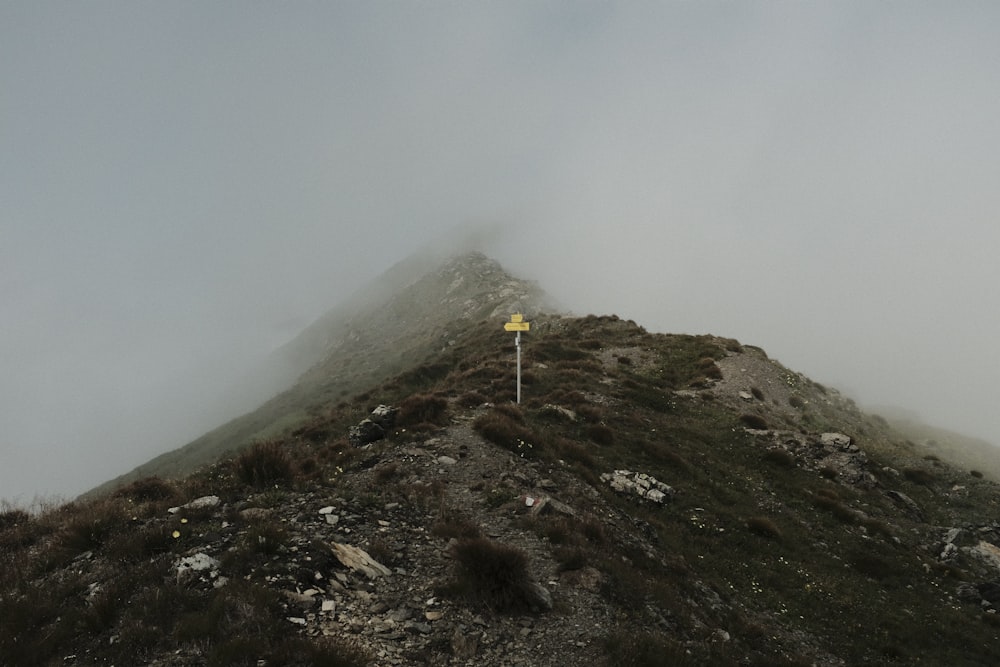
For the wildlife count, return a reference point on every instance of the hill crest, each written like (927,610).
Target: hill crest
(791,528)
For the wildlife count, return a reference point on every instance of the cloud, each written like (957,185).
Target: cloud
(185,186)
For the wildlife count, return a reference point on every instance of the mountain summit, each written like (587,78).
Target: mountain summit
(655,499)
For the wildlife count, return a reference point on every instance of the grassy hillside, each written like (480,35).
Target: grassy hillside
(797,530)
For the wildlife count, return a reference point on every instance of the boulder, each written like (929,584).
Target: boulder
(358,560)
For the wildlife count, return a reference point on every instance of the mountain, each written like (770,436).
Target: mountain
(655,499)
(407,315)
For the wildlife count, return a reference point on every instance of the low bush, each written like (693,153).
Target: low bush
(570,558)
(494,575)
(835,507)
(626,648)
(146,490)
(421,409)
(919,476)
(90,526)
(601,434)
(754,421)
(12,518)
(265,464)
(471,399)
(763,526)
(504,427)
(781,457)
(454,524)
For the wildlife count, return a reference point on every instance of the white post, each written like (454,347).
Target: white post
(517,342)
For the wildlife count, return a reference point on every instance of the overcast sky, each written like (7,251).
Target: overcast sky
(184,185)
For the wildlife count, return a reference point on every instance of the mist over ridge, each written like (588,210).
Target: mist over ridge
(184,192)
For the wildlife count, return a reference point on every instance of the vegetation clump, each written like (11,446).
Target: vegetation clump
(494,575)
(265,464)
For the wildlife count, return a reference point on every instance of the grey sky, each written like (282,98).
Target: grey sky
(184,185)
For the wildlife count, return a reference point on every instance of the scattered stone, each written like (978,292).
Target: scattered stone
(384,416)
(374,427)
(639,484)
(358,560)
(907,503)
(190,566)
(197,503)
(446,461)
(559,411)
(835,439)
(990,553)
(365,433)
(540,598)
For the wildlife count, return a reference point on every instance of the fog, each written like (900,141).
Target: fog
(184,186)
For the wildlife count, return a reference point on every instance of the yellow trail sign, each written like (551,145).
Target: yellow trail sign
(517,326)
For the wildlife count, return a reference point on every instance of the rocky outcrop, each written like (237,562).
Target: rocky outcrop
(374,427)
(638,484)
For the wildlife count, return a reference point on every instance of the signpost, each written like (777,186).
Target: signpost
(518,325)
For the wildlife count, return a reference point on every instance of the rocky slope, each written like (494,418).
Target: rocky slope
(655,499)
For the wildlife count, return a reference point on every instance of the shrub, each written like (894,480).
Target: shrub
(13,518)
(423,408)
(146,490)
(504,427)
(796,402)
(589,413)
(494,575)
(626,648)
(601,434)
(90,527)
(573,451)
(453,524)
(386,473)
(555,350)
(835,507)
(709,369)
(319,652)
(266,537)
(976,474)
(872,565)
(139,543)
(919,476)
(764,527)
(754,421)
(757,393)
(264,464)
(570,558)
(781,457)
(471,399)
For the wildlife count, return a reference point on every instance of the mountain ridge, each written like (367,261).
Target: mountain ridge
(655,499)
